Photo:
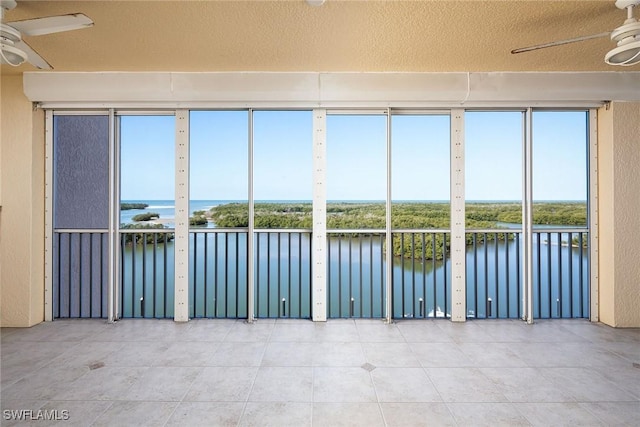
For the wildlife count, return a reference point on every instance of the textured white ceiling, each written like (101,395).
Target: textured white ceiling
(290,35)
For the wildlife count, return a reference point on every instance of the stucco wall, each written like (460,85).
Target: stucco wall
(619,214)
(22,213)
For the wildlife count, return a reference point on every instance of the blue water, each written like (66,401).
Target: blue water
(356,271)
(167,209)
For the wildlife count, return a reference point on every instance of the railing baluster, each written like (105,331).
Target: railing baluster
(433,266)
(350,264)
(549,275)
(310,277)
(371,291)
(205,263)
(103,296)
(497,278)
(300,240)
(90,275)
(216,274)
(226,276)
(70,273)
(59,273)
(539,268)
(340,276)
(165,278)
(570,268)
(413,274)
(279,282)
(237,259)
(444,259)
(381,237)
(329,271)
(486,269)
(560,275)
(144,272)
(195,277)
(518,283)
(581,272)
(475,273)
(402,310)
(268,274)
(506,263)
(123,244)
(289,272)
(360,273)
(80,270)
(155,267)
(424,275)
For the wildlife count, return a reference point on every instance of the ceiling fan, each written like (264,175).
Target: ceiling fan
(15,51)
(627,37)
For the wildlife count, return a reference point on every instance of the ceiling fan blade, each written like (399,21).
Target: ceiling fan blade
(560,42)
(52,24)
(32,56)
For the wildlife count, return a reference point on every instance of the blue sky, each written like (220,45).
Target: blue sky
(356,156)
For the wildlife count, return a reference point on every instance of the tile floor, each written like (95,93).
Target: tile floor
(338,373)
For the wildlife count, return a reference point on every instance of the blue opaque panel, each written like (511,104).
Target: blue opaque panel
(81,172)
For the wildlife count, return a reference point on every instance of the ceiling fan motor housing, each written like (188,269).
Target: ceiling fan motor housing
(10,54)
(627,37)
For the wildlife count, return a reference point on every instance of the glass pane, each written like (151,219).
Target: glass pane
(420,171)
(420,158)
(219,177)
(147,170)
(560,168)
(147,214)
(283,159)
(81,172)
(493,169)
(560,253)
(219,185)
(493,180)
(282,182)
(356,171)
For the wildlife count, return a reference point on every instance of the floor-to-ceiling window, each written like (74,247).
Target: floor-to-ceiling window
(356,214)
(560,234)
(282,193)
(147,215)
(493,210)
(218,213)
(420,214)
(388,213)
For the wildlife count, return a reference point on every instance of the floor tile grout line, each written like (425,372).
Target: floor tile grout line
(102,413)
(253,383)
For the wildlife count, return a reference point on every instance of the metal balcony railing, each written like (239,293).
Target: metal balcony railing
(147,273)
(494,274)
(560,273)
(356,273)
(282,273)
(80,269)
(218,273)
(356,269)
(421,274)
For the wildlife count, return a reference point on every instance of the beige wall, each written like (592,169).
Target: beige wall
(22,215)
(619,214)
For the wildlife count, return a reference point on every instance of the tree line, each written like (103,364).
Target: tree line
(420,216)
